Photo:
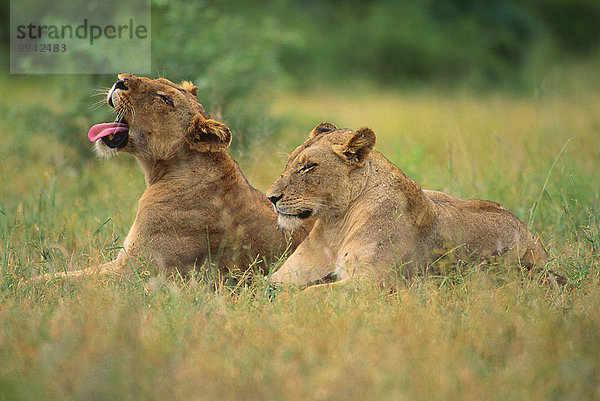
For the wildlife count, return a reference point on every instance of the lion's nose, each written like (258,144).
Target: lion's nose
(120,84)
(275,198)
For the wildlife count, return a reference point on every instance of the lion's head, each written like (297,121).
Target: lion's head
(321,175)
(155,119)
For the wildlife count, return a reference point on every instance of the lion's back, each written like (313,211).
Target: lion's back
(485,228)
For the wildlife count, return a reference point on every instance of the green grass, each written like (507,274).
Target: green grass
(486,332)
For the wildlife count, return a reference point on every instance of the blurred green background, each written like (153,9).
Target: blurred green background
(238,52)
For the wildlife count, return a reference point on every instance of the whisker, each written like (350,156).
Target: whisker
(100,101)
(97,105)
(119,115)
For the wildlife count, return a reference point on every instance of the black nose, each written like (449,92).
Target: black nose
(121,85)
(275,198)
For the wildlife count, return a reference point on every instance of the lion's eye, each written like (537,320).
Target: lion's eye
(165,99)
(307,167)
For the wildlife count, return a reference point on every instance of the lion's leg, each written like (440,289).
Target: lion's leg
(114,266)
(303,267)
(298,274)
(317,288)
(351,269)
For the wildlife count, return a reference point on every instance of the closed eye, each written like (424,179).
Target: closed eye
(165,98)
(307,167)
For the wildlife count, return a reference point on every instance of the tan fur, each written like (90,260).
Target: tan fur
(371,218)
(198,206)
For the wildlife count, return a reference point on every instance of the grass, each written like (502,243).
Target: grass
(486,332)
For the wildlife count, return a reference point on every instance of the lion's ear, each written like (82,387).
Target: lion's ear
(207,135)
(356,150)
(322,128)
(190,87)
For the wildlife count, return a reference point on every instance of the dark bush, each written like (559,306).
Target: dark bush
(231,57)
(574,25)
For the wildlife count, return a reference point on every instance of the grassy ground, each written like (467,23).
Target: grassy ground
(480,333)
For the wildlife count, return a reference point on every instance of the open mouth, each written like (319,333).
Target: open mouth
(302,215)
(114,135)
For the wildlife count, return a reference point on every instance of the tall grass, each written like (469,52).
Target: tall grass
(482,332)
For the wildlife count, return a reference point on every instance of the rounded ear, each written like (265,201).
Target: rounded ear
(207,135)
(322,128)
(190,87)
(358,147)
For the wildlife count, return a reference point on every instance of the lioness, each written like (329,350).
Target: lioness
(371,218)
(197,206)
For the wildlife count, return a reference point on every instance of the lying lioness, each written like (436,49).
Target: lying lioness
(198,206)
(371,218)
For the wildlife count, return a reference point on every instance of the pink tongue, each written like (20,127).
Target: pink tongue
(101,130)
